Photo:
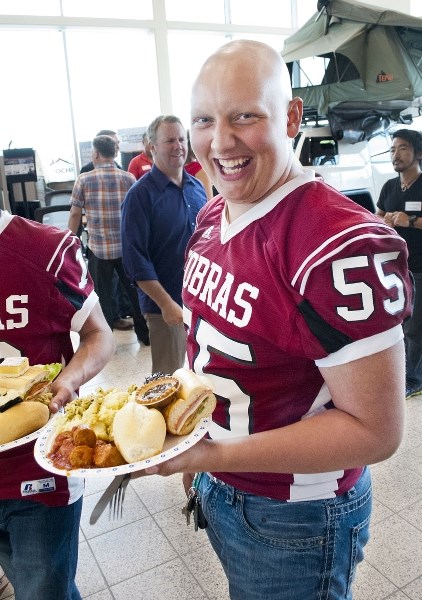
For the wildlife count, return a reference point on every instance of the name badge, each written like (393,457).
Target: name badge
(412,206)
(38,486)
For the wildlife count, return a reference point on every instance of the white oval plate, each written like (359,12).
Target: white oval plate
(25,439)
(173,445)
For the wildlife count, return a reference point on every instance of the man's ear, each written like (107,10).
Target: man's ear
(294,116)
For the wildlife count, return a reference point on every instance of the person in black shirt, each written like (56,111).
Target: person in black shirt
(90,166)
(400,204)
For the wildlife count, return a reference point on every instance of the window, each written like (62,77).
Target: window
(35,105)
(319,151)
(29,7)
(125,9)
(267,13)
(187,52)
(192,10)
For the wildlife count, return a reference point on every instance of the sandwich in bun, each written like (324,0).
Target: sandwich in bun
(195,400)
(139,432)
(24,397)
(21,419)
(33,383)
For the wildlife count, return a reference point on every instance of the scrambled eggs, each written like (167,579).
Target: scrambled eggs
(96,411)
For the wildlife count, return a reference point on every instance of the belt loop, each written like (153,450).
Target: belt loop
(230,494)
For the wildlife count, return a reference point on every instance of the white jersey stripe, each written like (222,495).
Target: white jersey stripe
(72,241)
(81,315)
(337,251)
(67,233)
(76,488)
(332,239)
(362,348)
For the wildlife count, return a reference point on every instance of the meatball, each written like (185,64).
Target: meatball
(81,457)
(84,436)
(107,455)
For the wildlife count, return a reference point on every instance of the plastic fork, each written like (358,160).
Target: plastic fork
(115,506)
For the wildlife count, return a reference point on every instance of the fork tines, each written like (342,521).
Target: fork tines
(115,507)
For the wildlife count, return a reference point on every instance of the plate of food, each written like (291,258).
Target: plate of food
(115,431)
(24,400)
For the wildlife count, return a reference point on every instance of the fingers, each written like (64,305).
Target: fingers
(61,397)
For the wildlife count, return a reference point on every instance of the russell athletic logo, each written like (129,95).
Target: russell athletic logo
(38,486)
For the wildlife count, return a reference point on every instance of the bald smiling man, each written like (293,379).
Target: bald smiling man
(293,299)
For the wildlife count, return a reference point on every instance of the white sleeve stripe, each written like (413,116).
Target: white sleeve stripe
(63,256)
(336,251)
(361,348)
(76,488)
(67,234)
(332,239)
(81,315)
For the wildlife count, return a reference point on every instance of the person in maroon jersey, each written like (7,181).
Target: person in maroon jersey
(293,300)
(45,294)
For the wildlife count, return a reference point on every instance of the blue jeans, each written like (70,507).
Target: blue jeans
(39,549)
(413,338)
(275,550)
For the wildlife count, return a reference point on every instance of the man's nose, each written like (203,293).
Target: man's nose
(223,138)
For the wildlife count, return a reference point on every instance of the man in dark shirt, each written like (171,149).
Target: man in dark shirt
(90,166)
(158,218)
(400,204)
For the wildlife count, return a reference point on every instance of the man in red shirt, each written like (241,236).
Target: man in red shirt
(142,163)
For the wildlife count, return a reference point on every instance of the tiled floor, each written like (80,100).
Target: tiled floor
(151,554)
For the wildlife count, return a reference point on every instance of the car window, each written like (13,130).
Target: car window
(317,151)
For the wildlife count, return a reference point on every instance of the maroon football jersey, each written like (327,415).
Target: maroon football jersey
(304,279)
(45,293)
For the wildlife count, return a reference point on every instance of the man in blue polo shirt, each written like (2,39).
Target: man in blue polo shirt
(158,218)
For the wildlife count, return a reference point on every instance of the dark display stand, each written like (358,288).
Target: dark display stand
(19,167)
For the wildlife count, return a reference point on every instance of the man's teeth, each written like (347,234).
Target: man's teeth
(232,166)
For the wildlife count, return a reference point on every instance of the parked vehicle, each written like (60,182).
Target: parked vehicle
(358,170)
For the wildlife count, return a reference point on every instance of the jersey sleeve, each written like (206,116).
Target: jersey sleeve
(352,291)
(73,282)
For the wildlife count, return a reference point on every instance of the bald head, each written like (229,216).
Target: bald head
(243,118)
(251,60)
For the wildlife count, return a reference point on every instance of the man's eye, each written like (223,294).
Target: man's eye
(200,121)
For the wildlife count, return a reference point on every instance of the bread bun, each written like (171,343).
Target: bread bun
(22,419)
(139,432)
(195,401)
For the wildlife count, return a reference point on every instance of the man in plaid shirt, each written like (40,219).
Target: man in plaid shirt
(100,193)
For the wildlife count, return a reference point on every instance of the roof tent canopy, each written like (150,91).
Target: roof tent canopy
(366,55)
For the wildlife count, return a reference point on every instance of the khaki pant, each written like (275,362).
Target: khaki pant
(168,344)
